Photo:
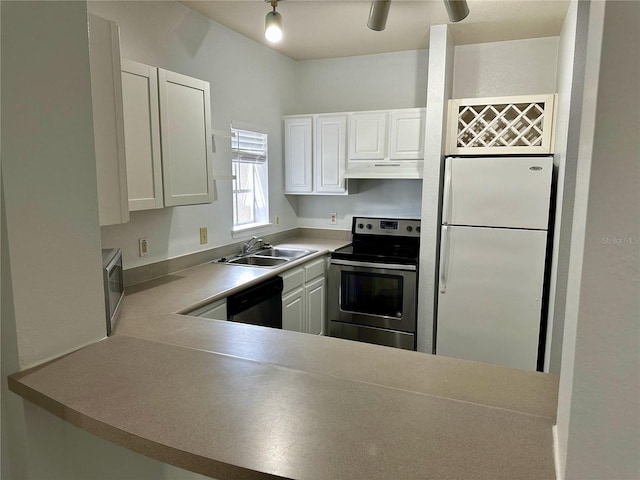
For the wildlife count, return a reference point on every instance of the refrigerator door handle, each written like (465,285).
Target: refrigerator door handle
(444,258)
(446,193)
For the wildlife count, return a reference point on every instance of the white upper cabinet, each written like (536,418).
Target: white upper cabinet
(406,134)
(330,155)
(372,144)
(367,135)
(386,144)
(142,135)
(106,95)
(185,124)
(167,118)
(315,153)
(298,147)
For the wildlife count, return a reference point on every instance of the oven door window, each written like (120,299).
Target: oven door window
(371,294)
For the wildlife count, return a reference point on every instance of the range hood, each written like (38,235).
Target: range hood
(404,169)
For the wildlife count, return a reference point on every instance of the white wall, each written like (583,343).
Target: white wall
(441,65)
(49,176)
(517,67)
(396,198)
(366,82)
(249,82)
(571,58)
(52,300)
(598,425)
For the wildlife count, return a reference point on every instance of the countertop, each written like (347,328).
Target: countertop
(236,401)
(189,289)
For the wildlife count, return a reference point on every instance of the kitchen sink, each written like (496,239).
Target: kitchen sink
(284,252)
(258,261)
(268,257)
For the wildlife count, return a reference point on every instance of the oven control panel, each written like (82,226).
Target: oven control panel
(386,226)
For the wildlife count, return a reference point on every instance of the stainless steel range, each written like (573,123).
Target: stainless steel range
(373,283)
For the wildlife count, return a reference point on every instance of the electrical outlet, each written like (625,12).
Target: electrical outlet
(203,235)
(143,247)
(334,219)
(277,220)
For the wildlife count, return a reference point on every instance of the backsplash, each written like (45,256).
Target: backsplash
(144,273)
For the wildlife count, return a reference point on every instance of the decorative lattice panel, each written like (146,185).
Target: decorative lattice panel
(503,125)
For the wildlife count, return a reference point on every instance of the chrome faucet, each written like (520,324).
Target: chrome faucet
(252,245)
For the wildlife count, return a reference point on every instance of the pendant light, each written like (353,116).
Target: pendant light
(273,24)
(457,9)
(378,15)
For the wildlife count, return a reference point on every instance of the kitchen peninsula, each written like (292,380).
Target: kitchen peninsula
(234,401)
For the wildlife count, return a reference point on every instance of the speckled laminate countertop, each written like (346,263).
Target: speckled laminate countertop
(236,401)
(189,289)
(284,404)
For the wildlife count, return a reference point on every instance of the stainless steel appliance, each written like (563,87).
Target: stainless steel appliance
(112,276)
(258,305)
(373,283)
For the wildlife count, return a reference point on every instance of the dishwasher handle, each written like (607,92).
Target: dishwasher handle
(252,296)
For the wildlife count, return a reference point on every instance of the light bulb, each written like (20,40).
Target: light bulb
(273,27)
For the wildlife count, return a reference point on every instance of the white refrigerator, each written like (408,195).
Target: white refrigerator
(495,215)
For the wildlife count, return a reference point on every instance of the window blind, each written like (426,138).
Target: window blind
(249,147)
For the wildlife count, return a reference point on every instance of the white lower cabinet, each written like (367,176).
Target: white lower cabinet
(215,311)
(293,310)
(315,295)
(304,298)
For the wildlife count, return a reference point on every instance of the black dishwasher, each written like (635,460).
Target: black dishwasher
(258,305)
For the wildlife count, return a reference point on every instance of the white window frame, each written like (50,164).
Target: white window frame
(261,212)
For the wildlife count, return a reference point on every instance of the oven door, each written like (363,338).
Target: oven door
(373,294)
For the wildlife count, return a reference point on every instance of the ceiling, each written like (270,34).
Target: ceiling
(337,28)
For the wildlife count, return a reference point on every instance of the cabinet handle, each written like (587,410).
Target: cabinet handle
(387,164)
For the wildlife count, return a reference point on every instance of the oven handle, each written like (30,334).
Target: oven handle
(386,266)
(444,258)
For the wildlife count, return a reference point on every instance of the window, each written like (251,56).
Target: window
(251,179)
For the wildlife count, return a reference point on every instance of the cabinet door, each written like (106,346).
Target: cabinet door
(142,135)
(330,153)
(367,136)
(215,311)
(293,311)
(315,294)
(106,98)
(297,155)
(292,279)
(185,124)
(406,137)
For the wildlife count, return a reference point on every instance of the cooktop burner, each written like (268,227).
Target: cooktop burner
(382,240)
